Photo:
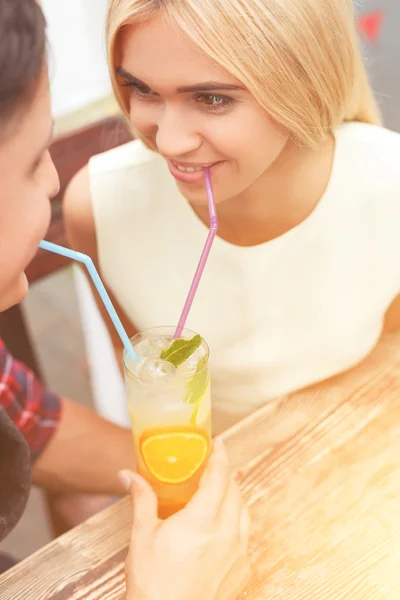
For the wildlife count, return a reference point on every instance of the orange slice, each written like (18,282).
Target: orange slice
(174,454)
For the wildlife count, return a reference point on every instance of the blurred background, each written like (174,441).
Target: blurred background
(77,53)
(57,330)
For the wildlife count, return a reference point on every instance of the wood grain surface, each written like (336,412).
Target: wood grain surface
(320,470)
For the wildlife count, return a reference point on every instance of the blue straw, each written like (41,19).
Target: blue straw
(87,261)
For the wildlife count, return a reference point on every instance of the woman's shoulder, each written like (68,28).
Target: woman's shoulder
(126,157)
(368,168)
(371,153)
(371,140)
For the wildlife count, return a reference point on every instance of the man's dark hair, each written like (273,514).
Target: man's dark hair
(22,54)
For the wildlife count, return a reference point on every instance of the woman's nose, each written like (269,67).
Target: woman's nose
(176,136)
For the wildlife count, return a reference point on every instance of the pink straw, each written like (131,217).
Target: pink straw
(204,255)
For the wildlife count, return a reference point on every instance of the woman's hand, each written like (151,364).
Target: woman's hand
(200,553)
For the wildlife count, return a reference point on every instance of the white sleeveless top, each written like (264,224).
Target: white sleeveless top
(277,316)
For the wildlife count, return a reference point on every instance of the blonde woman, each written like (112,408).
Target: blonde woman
(274,97)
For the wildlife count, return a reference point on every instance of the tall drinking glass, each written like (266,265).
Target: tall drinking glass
(168,392)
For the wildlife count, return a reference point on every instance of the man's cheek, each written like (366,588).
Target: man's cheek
(14,293)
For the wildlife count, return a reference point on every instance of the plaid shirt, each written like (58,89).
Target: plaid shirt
(34,411)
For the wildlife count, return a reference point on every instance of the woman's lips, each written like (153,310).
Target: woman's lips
(189,176)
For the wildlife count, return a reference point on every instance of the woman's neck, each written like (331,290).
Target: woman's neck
(280,199)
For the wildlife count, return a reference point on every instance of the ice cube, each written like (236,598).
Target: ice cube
(155,371)
(151,347)
(163,342)
(191,363)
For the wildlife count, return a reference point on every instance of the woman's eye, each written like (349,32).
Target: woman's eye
(210,102)
(141,91)
(214,102)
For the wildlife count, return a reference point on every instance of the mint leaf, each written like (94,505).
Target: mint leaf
(180,350)
(196,388)
(198,384)
(175,346)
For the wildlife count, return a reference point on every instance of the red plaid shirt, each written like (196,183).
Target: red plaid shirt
(35,411)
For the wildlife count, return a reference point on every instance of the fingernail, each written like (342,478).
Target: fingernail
(125,479)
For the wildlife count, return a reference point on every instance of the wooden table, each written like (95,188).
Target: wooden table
(320,470)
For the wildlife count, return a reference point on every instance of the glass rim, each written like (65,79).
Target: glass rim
(149,330)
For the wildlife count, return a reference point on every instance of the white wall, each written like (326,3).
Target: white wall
(77,56)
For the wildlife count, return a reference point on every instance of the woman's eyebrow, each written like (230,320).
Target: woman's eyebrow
(206,86)
(122,73)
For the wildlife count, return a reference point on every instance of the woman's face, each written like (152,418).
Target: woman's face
(28,181)
(194,113)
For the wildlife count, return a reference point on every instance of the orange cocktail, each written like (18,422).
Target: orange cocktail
(169,401)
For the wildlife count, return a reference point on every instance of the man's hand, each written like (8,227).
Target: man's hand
(200,553)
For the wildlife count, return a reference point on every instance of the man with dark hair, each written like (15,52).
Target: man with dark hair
(70,448)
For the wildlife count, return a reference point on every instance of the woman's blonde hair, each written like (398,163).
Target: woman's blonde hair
(299,58)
